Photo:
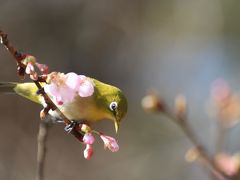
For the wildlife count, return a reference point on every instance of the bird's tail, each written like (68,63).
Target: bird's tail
(7,87)
(27,90)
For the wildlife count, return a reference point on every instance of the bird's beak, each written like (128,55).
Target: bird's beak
(116,124)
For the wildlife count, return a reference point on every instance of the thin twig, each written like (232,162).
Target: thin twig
(42,149)
(221,135)
(182,123)
(220,140)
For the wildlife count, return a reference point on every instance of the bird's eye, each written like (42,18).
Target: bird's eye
(113,106)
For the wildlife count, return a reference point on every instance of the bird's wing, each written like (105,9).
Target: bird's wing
(29,91)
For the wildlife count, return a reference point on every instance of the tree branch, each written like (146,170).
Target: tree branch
(181,121)
(42,149)
(19,57)
(43,127)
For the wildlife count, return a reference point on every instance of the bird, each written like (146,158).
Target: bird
(106,103)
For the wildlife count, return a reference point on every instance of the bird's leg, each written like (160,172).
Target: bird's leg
(59,120)
(70,127)
(40,91)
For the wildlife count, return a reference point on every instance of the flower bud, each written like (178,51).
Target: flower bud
(110,143)
(152,103)
(44,112)
(180,105)
(85,128)
(43,68)
(192,154)
(21,72)
(88,138)
(88,152)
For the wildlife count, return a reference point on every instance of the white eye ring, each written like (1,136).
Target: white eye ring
(113,106)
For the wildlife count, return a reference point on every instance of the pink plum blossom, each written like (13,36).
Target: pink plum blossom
(73,81)
(228,164)
(110,143)
(60,92)
(225,103)
(86,87)
(88,152)
(220,90)
(64,87)
(88,138)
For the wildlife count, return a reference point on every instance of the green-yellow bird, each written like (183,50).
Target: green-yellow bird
(107,102)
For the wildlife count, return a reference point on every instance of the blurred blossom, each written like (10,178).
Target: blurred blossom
(180,105)
(152,103)
(225,105)
(220,90)
(192,154)
(228,164)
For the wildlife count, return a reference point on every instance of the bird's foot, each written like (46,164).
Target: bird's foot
(69,128)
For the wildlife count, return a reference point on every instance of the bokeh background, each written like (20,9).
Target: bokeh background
(171,45)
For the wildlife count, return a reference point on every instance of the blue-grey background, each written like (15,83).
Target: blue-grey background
(171,45)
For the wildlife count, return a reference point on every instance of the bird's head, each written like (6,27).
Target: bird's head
(114,102)
(117,107)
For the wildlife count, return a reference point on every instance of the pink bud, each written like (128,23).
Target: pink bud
(29,68)
(88,138)
(88,152)
(110,143)
(43,68)
(31,71)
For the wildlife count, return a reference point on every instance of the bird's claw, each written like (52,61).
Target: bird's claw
(68,128)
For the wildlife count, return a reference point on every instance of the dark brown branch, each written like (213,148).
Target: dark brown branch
(21,69)
(43,129)
(19,57)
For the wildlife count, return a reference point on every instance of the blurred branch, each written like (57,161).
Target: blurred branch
(42,149)
(222,131)
(153,103)
(202,152)
(220,140)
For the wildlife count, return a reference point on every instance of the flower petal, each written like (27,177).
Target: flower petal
(73,81)
(51,89)
(86,88)
(110,143)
